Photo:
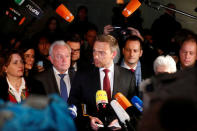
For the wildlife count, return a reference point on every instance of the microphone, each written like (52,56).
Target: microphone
(133,112)
(105,112)
(138,103)
(72,111)
(101,103)
(19,2)
(131,7)
(122,115)
(62,11)
(30,7)
(120,112)
(15,15)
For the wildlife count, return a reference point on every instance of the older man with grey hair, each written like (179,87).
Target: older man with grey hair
(56,79)
(164,64)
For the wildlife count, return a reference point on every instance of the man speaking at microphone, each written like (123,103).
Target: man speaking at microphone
(104,75)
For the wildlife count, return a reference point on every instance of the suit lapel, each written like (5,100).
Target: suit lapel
(116,80)
(97,79)
(52,81)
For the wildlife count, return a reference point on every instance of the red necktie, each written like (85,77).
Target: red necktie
(106,84)
(132,70)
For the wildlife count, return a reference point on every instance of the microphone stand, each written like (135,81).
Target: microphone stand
(157,6)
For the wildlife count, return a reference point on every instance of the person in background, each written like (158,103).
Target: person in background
(187,53)
(14,87)
(56,79)
(42,53)
(164,64)
(162,32)
(29,61)
(75,44)
(87,46)
(81,22)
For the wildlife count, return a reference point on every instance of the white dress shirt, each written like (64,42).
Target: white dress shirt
(110,75)
(16,94)
(66,80)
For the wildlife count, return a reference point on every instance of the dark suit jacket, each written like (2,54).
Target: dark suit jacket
(48,81)
(87,83)
(32,85)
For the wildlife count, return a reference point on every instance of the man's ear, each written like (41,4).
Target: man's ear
(123,50)
(114,53)
(141,53)
(51,59)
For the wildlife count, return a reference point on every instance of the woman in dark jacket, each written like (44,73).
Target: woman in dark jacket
(13,86)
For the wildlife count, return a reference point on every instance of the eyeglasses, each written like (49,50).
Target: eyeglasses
(76,50)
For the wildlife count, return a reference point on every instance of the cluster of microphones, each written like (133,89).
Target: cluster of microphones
(128,113)
(34,10)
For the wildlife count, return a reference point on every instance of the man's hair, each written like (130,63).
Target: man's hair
(134,38)
(58,43)
(167,61)
(113,43)
(191,37)
(74,37)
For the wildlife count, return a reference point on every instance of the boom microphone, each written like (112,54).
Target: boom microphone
(62,11)
(15,15)
(131,7)
(30,7)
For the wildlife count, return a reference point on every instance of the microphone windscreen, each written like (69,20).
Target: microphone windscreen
(119,1)
(101,97)
(131,7)
(19,2)
(120,112)
(72,111)
(137,102)
(62,11)
(122,100)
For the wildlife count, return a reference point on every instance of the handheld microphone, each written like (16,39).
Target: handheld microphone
(62,11)
(131,7)
(15,15)
(105,113)
(120,112)
(72,111)
(138,103)
(122,115)
(30,7)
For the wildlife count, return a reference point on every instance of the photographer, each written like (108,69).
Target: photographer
(121,34)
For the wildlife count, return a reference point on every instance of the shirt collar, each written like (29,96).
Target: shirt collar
(127,67)
(111,68)
(57,72)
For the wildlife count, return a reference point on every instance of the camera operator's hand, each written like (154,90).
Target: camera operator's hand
(108,29)
(135,32)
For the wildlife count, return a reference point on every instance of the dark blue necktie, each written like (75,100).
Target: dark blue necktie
(63,88)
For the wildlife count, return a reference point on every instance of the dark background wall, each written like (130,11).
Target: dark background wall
(100,13)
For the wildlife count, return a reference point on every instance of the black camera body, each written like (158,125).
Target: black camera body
(122,32)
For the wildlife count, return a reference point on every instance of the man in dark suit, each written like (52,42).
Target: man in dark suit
(88,82)
(59,55)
